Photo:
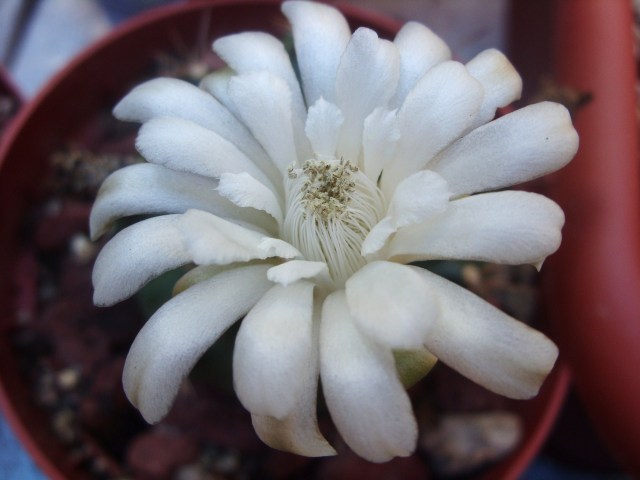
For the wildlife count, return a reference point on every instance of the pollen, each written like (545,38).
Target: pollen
(331,207)
(327,188)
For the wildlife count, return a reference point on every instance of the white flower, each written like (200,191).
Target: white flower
(300,204)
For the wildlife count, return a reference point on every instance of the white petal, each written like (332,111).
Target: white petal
(212,240)
(294,270)
(182,329)
(501,82)
(366,399)
(486,345)
(186,146)
(435,113)
(523,145)
(379,140)
(136,255)
(417,198)
(323,127)
(320,34)
(273,350)
(298,432)
(509,227)
(377,237)
(200,273)
(217,84)
(392,305)
(420,49)
(248,52)
(170,97)
(264,103)
(146,188)
(245,191)
(367,77)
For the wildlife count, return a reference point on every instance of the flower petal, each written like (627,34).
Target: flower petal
(186,146)
(501,82)
(435,113)
(509,227)
(171,97)
(392,305)
(320,35)
(294,270)
(366,399)
(523,145)
(323,127)
(245,191)
(486,345)
(377,238)
(379,140)
(298,432)
(136,255)
(420,49)
(417,198)
(212,240)
(273,350)
(182,329)
(248,52)
(264,103)
(200,273)
(367,77)
(146,188)
(217,84)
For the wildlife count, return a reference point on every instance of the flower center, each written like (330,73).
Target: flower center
(331,207)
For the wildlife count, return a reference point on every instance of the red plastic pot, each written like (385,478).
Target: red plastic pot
(596,273)
(65,111)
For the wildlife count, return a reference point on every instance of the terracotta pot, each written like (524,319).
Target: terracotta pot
(596,286)
(65,112)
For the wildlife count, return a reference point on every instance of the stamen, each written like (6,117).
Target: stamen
(331,207)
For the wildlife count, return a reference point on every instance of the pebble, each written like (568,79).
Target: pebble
(68,378)
(65,425)
(82,249)
(462,443)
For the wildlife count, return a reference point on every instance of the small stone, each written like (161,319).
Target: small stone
(68,379)
(65,425)
(463,443)
(227,462)
(472,276)
(82,249)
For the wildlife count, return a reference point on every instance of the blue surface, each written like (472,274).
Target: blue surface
(15,464)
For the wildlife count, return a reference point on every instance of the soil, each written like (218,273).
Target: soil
(73,354)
